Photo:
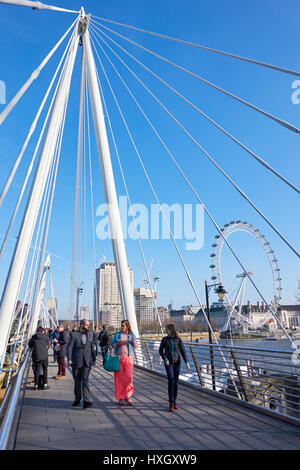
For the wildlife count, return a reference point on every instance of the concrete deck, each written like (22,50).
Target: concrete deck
(203,422)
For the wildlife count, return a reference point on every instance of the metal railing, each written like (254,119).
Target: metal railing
(9,408)
(267,378)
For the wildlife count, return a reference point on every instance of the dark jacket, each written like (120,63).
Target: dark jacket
(39,344)
(170,349)
(55,334)
(81,355)
(63,343)
(104,338)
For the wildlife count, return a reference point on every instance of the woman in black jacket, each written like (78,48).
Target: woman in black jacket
(171,347)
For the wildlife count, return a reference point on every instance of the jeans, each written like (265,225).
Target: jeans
(104,350)
(173,371)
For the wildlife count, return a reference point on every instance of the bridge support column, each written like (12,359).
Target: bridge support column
(115,226)
(19,259)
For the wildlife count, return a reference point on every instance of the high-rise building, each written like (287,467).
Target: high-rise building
(143,305)
(84,312)
(52,309)
(163,313)
(107,299)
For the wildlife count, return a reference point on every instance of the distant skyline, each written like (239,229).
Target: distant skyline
(265,31)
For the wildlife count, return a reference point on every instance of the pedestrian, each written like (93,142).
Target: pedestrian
(61,351)
(67,330)
(96,333)
(105,339)
(171,347)
(81,356)
(40,344)
(55,335)
(124,341)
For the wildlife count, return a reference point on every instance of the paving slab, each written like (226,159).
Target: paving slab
(49,422)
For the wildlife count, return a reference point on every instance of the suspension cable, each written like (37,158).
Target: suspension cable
(77,189)
(259,159)
(9,107)
(165,220)
(32,128)
(241,192)
(153,190)
(9,181)
(195,193)
(48,211)
(283,123)
(199,46)
(154,300)
(92,205)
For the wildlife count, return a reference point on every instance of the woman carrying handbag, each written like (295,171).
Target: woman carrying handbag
(124,341)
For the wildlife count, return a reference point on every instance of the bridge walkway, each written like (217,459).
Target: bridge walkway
(203,421)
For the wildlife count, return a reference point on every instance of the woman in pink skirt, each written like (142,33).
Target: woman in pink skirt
(125,342)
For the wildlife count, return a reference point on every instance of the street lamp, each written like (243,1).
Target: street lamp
(221,292)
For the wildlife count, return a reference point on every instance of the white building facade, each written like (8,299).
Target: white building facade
(107,299)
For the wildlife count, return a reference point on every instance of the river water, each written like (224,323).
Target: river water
(266,356)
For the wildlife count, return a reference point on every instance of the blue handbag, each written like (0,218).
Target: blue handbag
(112,363)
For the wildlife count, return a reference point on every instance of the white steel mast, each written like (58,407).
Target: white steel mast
(17,266)
(115,226)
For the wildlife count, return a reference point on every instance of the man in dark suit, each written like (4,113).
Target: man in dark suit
(81,356)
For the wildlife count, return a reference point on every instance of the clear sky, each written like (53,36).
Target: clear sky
(266,31)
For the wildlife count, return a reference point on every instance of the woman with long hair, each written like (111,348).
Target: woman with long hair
(171,347)
(124,341)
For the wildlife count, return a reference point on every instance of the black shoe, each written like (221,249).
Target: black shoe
(87,404)
(76,403)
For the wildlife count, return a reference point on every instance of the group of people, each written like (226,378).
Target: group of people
(81,348)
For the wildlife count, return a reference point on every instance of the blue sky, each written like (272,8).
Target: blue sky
(266,31)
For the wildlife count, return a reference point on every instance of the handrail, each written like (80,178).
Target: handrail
(10,413)
(267,379)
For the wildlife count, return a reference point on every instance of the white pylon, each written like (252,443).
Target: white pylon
(114,219)
(39,300)
(36,5)
(18,263)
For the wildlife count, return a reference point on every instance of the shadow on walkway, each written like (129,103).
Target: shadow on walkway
(203,422)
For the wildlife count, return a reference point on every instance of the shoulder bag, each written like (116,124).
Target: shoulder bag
(112,362)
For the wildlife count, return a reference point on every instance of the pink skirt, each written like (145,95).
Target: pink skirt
(123,379)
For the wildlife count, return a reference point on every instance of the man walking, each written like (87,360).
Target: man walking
(105,340)
(81,355)
(39,344)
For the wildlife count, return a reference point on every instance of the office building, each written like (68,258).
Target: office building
(107,299)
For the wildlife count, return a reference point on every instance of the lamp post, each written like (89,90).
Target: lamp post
(221,292)
(79,291)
